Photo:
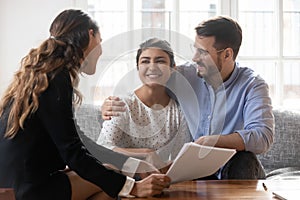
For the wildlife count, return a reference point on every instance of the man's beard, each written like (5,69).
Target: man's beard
(212,73)
(208,70)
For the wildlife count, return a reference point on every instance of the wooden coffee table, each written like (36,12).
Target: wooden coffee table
(7,194)
(227,189)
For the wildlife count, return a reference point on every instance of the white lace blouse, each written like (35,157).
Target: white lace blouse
(164,130)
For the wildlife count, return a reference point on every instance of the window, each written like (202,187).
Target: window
(270,38)
(120,22)
(271,31)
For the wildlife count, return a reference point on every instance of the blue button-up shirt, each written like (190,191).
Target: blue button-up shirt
(241,104)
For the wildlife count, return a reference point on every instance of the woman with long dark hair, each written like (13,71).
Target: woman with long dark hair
(38,136)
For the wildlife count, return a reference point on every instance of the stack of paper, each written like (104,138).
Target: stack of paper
(196,161)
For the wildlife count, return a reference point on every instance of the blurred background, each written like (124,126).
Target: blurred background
(271,39)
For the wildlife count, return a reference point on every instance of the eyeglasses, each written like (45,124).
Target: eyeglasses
(203,52)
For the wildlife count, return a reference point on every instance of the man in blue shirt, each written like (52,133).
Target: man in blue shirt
(233,107)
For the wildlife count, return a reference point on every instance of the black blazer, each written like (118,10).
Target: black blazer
(49,141)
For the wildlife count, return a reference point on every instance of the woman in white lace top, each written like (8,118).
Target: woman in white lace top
(153,123)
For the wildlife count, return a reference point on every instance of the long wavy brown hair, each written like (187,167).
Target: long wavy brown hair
(63,49)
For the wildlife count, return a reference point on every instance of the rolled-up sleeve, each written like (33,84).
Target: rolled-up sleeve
(258,118)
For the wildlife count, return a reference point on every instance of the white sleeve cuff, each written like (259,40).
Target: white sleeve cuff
(130,166)
(125,192)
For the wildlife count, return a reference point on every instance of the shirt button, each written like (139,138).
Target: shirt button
(208,117)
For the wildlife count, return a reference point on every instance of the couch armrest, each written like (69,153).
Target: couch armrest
(285,150)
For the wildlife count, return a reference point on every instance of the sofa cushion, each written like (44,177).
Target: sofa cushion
(285,150)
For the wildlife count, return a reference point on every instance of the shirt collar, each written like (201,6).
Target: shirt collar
(233,75)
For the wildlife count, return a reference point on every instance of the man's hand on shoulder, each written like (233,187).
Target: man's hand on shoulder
(112,106)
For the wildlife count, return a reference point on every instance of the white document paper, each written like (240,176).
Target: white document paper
(196,161)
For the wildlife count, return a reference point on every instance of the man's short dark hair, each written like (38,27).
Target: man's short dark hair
(227,32)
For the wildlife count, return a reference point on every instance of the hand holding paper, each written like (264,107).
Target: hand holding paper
(155,160)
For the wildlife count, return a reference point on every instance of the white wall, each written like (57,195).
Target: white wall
(24,25)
